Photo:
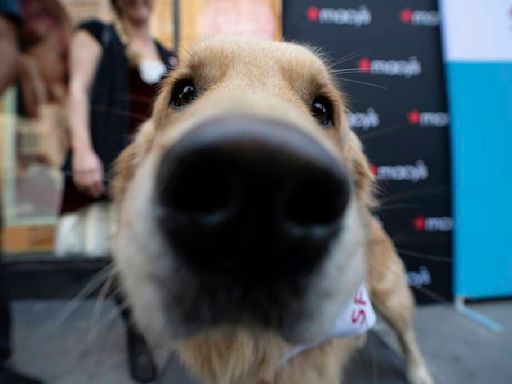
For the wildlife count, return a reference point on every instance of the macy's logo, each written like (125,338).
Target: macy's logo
(420,278)
(432,224)
(427,119)
(419,18)
(408,172)
(356,17)
(364,120)
(406,68)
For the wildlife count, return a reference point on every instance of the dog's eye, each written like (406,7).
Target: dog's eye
(183,93)
(322,110)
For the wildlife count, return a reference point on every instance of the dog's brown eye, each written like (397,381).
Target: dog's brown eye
(183,93)
(322,111)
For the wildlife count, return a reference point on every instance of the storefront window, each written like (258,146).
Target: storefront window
(34,121)
(35,114)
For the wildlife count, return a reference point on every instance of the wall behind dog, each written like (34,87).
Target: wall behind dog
(388,58)
(202,19)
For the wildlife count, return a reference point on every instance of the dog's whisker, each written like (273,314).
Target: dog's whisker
(84,341)
(395,206)
(94,283)
(118,112)
(415,193)
(103,295)
(344,79)
(436,297)
(382,131)
(91,335)
(425,256)
(349,57)
(346,69)
(70,307)
(342,71)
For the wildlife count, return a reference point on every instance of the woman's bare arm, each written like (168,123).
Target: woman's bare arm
(85,53)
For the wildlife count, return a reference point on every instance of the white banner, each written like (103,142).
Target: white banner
(477,30)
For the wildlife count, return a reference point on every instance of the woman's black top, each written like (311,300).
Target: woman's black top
(119,102)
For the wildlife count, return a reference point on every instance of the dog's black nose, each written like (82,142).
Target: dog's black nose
(250,197)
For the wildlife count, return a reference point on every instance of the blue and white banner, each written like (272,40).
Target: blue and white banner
(477,38)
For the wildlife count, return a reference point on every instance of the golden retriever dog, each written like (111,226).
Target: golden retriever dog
(244,220)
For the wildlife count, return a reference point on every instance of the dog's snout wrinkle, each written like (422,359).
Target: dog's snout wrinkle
(250,197)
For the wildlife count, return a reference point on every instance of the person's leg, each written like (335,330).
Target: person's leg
(7,374)
(5,317)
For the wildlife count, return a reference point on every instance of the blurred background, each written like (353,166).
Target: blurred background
(429,85)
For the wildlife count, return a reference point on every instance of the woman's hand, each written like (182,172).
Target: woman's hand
(88,172)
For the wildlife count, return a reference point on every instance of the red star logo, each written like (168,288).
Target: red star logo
(414,117)
(365,64)
(419,223)
(406,16)
(312,13)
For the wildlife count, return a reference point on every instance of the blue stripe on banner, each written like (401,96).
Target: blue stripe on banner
(481,124)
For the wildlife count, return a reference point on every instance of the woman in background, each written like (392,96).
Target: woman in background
(115,71)
(114,74)
(43,64)
(41,126)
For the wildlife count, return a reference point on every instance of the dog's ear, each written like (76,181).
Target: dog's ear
(364,178)
(127,161)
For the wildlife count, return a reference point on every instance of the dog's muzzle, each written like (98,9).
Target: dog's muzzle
(253,199)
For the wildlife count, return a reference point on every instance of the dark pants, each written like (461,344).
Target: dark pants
(5,317)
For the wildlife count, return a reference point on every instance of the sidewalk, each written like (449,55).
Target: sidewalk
(80,349)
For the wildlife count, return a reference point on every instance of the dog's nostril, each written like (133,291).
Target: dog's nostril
(199,187)
(253,199)
(315,204)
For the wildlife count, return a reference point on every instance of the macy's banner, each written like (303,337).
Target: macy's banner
(478,53)
(387,55)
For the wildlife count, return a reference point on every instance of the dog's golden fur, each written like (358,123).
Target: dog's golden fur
(274,80)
